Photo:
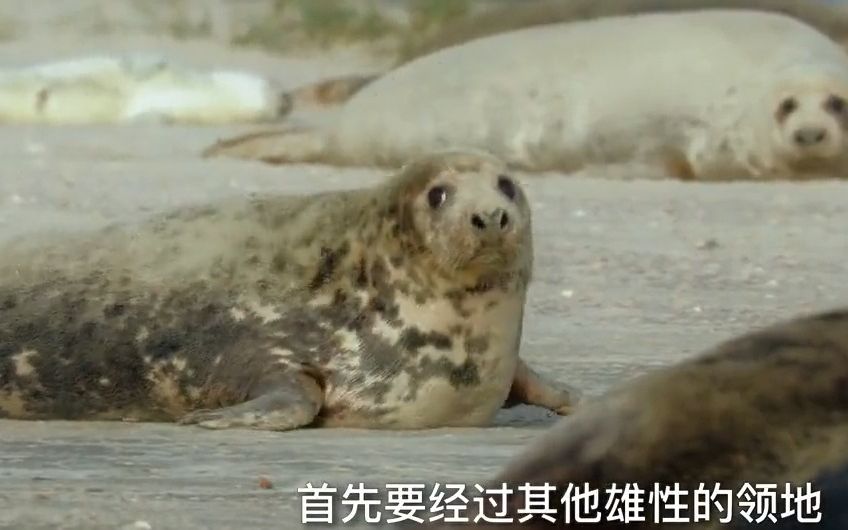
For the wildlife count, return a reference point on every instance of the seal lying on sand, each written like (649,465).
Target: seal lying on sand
(398,307)
(829,18)
(767,407)
(134,88)
(707,95)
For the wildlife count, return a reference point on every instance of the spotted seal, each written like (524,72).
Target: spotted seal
(699,95)
(767,407)
(397,306)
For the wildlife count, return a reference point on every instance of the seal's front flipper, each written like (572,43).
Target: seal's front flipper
(530,388)
(274,146)
(289,404)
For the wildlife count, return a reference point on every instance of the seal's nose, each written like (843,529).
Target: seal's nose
(808,136)
(495,221)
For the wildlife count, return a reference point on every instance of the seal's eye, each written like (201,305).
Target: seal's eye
(787,106)
(437,196)
(835,104)
(506,186)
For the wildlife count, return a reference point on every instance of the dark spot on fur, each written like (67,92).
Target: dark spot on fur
(457,297)
(377,304)
(329,261)
(165,344)
(114,310)
(476,345)
(379,272)
(412,340)
(464,375)
(9,302)
(362,274)
(279,262)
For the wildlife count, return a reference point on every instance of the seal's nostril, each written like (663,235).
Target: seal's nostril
(810,136)
(504,220)
(477,221)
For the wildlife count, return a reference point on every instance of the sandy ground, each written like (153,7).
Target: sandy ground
(629,276)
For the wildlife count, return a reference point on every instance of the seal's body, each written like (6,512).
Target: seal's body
(768,407)
(398,306)
(829,18)
(700,93)
(129,89)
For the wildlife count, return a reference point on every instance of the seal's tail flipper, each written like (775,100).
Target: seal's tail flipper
(275,146)
(329,92)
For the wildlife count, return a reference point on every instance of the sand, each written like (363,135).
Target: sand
(629,276)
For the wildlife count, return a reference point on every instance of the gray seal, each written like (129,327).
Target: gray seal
(702,95)
(398,306)
(766,407)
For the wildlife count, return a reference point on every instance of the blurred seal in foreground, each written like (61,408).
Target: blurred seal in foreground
(768,407)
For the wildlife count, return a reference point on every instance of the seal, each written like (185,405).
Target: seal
(767,407)
(135,88)
(829,18)
(702,95)
(398,306)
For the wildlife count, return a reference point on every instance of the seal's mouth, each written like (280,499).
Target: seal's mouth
(490,256)
(812,160)
(482,260)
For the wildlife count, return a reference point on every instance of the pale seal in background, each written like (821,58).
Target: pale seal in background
(398,306)
(831,18)
(136,88)
(707,95)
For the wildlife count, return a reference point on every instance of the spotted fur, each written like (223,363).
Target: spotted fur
(368,308)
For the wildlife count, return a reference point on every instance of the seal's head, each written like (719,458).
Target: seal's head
(811,113)
(465,212)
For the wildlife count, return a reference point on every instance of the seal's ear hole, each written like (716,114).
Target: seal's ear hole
(835,104)
(507,187)
(786,107)
(437,196)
